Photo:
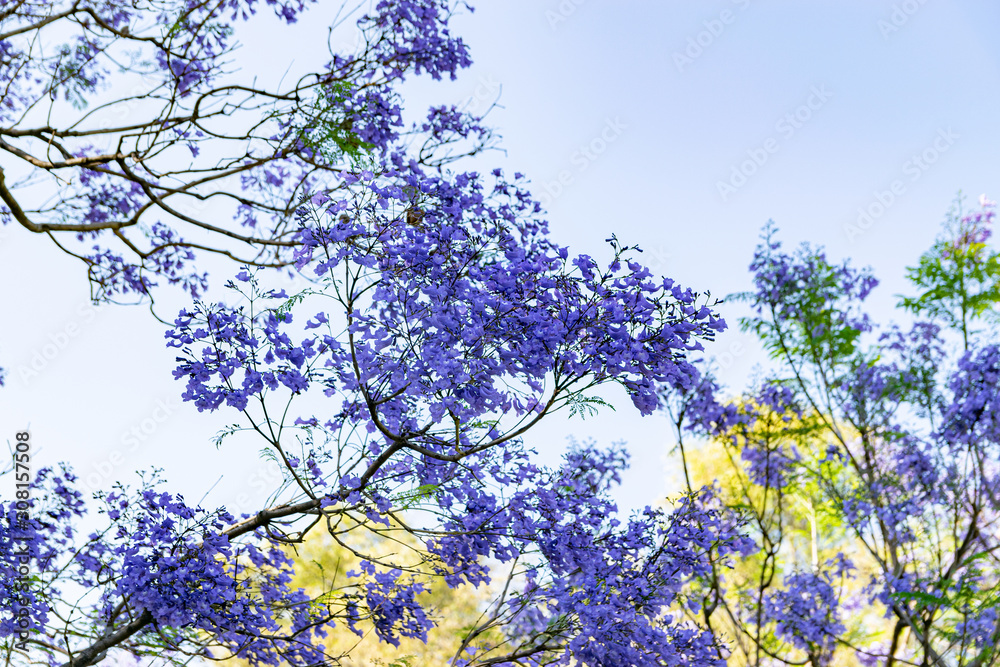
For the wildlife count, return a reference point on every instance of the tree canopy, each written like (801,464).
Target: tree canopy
(865,461)
(135,144)
(850,516)
(442,324)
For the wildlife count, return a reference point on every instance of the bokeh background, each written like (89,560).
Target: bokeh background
(681,127)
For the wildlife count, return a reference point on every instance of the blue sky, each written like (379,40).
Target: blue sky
(628,116)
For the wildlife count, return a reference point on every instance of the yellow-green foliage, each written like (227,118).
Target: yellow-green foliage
(798,527)
(322,565)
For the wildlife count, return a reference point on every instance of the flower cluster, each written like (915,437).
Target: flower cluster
(39,535)
(973,416)
(804,303)
(606,585)
(884,444)
(806,612)
(460,311)
(284,144)
(245,354)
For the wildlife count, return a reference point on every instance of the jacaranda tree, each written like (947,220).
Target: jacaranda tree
(855,521)
(441,325)
(867,463)
(134,140)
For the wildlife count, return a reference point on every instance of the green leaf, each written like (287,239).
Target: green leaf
(918,596)
(586,406)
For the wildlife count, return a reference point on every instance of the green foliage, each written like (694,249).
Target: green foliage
(586,406)
(295,299)
(806,309)
(225,432)
(219,29)
(73,76)
(958,279)
(404,661)
(328,129)
(409,499)
(865,470)
(798,525)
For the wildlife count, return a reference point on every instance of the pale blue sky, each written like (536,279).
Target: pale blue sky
(663,132)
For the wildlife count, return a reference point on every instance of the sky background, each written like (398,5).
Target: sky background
(626,116)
